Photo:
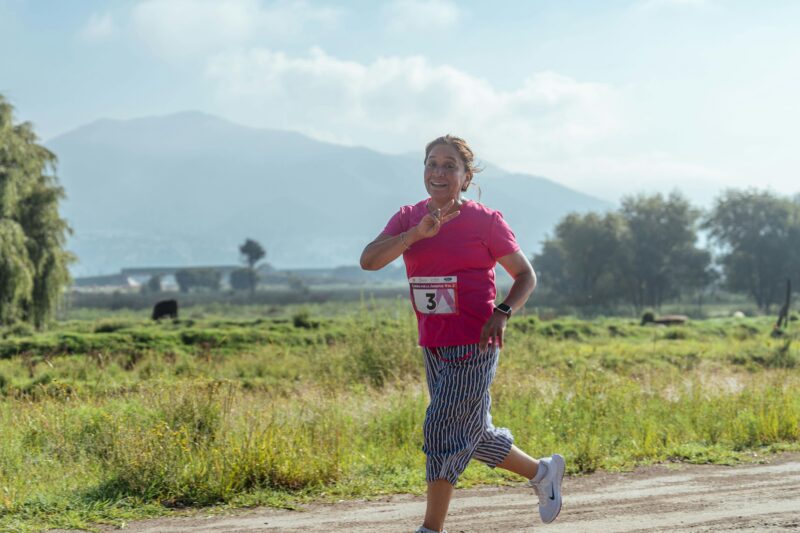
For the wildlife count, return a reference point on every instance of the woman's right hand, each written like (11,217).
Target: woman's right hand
(386,248)
(432,222)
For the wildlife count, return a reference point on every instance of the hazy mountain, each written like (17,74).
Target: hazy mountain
(188,188)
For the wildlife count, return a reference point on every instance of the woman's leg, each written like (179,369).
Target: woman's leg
(495,447)
(457,417)
(520,463)
(440,491)
(439,494)
(456,420)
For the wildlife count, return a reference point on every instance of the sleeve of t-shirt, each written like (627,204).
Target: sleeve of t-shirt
(397,224)
(501,240)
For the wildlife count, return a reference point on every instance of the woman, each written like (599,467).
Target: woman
(450,246)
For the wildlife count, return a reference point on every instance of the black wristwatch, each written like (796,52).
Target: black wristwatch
(504,308)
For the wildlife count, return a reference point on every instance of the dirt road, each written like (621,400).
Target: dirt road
(753,497)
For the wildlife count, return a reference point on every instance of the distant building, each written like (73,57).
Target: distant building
(132,279)
(106,283)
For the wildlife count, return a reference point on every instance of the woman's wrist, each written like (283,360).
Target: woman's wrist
(412,236)
(504,309)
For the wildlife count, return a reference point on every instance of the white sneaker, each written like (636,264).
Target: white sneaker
(548,489)
(423,529)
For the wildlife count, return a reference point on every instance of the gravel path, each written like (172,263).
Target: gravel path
(753,497)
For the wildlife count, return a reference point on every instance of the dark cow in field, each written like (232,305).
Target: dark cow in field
(664,320)
(165,308)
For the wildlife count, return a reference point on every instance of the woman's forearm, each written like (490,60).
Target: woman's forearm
(380,253)
(520,290)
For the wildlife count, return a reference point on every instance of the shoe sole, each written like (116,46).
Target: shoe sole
(558,462)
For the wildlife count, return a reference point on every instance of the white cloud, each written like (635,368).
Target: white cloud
(621,172)
(396,104)
(406,16)
(180,28)
(98,28)
(582,134)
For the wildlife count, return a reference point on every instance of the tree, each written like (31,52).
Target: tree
(645,253)
(154,284)
(33,262)
(758,236)
(184,279)
(252,252)
(550,266)
(16,279)
(581,264)
(243,279)
(205,278)
(697,275)
(661,248)
(296,284)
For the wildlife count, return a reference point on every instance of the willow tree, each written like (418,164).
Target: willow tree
(33,261)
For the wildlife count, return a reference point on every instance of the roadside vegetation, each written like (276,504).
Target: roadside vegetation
(107,420)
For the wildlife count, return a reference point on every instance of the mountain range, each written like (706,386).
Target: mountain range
(188,188)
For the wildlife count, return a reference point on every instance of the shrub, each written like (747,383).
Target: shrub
(110,326)
(302,319)
(615,331)
(780,357)
(20,329)
(675,334)
(570,334)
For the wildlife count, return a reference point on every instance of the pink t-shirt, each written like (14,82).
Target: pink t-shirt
(451,275)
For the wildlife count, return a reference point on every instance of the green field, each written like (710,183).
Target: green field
(109,417)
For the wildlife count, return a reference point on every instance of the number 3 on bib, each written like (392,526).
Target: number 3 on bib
(435,296)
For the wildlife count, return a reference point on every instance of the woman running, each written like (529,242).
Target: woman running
(450,247)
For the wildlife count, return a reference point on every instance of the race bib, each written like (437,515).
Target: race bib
(435,296)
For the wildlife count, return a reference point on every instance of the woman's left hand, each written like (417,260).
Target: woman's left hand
(493,330)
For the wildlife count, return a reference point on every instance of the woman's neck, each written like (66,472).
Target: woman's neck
(433,205)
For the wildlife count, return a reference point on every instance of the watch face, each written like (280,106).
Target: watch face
(503,308)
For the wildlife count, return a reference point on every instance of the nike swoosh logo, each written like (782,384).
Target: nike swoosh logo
(552,493)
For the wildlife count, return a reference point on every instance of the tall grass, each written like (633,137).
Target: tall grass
(275,412)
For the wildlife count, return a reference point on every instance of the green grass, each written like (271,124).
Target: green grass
(109,420)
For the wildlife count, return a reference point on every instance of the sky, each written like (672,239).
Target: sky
(607,97)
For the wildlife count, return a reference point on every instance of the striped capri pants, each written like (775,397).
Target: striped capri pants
(458,426)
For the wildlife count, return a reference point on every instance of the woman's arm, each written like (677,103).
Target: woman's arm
(386,248)
(520,269)
(518,266)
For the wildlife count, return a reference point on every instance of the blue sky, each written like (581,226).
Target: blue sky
(607,97)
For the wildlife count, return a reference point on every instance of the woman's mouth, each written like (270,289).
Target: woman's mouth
(438,185)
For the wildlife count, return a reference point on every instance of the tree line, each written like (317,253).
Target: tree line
(33,261)
(647,252)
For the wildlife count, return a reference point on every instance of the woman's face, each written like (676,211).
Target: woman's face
(445,174)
